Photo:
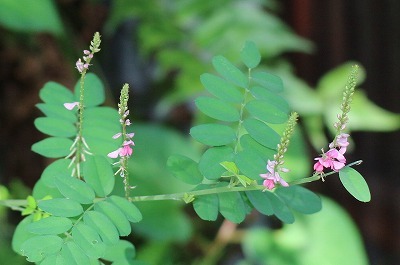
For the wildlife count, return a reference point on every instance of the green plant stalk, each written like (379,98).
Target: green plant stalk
(16,204)
(239,127)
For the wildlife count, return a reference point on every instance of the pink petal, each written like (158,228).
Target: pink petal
(283,183)
(337,165)
(115,136)
(114,154)
(130,135)
(71,106)
(269,184)
(125,151)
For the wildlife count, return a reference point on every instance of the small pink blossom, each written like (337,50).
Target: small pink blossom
(117,135)
(127,122)
(114,154)
(272,176)
(130,135)
(71,106)
(126,150)
(80,65)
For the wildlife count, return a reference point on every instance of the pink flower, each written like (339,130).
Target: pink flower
(272,176)
(333,159)
(80,65)
(71,106)
(126,150)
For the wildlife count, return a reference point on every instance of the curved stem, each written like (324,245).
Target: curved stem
(15,204)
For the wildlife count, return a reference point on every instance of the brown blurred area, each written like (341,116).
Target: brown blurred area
(367,31)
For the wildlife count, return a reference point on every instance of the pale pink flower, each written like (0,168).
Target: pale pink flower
(272,176)
(114,154)
(117,135)
(80,65)
(71,106)
(125,150)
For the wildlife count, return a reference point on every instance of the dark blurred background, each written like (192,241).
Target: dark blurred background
(367,31)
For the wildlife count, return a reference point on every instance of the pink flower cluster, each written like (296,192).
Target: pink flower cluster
(272,176)
(84,65)
(126,149)
(334,158)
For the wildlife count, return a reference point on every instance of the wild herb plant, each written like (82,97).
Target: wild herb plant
(75,215)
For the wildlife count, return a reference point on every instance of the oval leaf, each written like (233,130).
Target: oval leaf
(93,92)
(88,239)
(61,207)
(106,229)
(115,215)
(264,111)
(262,133)
(231,206)
(99,175)
(210,162)
(250,164)
(51,225)
(217,109)
(131,212)
(38,247)
(75,189)
(73,254)
(213,134)
(55,127)
(260,201)
(53,147)
(221,88)
(122,251)
(57,111)
(250,55)
(58,167)
(271,98)
(228,71)
(55,93)
(355,184)
(300,199)
(280,209)
(269,81)
(184,169)
(207,207)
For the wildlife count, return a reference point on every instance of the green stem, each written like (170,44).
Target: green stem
(180,195)
(246,92)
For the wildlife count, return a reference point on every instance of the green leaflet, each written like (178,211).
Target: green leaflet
(131,212)
(300,199)
(88,240)
(260,201)
(217,109)
(206,206)
(269,97)
(261,132)
(232,206)
(58,167)
(355,184)
(61,207)
(103,226)
(21,234)
(55,93)
(264,111)
(53,147)
(38,247)
(269,81)
(94,91)
(213,134)
(30,16)
(73,254)
(250,164)
(209,164)
(55,127)
(280,208)
(228,71)
(115,215)
(121,252)
(248,143)
(74,189)
(184,169)
(57,111)
(51,225)
(221,89)
(250,55)
(99,175)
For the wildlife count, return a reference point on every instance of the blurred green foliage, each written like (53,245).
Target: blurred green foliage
(183,36)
